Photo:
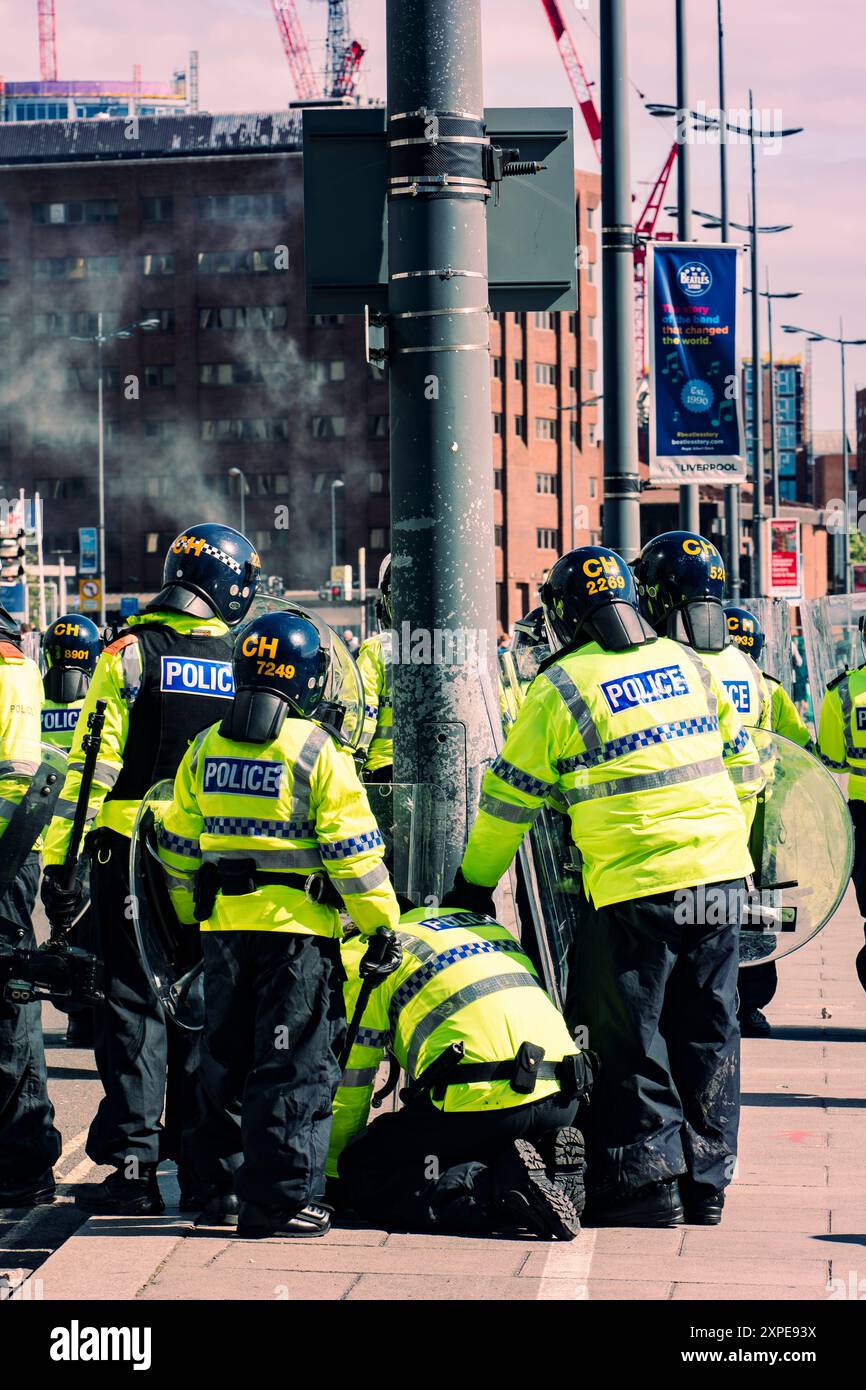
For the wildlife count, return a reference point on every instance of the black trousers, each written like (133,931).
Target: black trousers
(656,991)
(146,1064)
(29,1142)
(423,1169)
(757,985)
(858,873)
(274,1025)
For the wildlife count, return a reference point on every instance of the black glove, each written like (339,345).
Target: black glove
(472,896)
(62,905)
(382,956)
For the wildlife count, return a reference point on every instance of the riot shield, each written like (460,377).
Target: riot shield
(342,709)
(802,848)
(831,639)
(32,813)
(774,616)
(170,951)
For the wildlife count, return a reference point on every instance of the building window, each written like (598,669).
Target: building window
(239,207)
(497,479)
(545,374)
(497,536)
(258,261)
(590,325)
(786,407)
(545,428)
(158,263)
(547,483)
(377,426)
(573,379)
(159,377)
(590,379)
(378,538)
(546,538)
(786,381)
(328,426)
(74,267)
(589,274)
(543,319)
(80,323)
(165,318)
(322,481)
(376,371)
(327,320)
(497,422)
(518,319)
(520,426)
(157,209)
(165,430)
(591,434)
(787,436)
(259,430)
(377,482)
(75,213)
(592,487)
(590,216)
(496,368)
(572,323)
(250,317)
(519,369)
(574,430)
(324,371)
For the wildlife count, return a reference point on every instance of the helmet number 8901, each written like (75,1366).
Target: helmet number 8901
(270,668)
(598,586)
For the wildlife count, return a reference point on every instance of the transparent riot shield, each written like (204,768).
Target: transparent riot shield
(774,616)
(342,707)
(831,639)
(170,950)
(32,814)
(802,848)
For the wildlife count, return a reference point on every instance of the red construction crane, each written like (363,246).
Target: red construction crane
(347,73)
(47,42)
(646,224)
(297,52)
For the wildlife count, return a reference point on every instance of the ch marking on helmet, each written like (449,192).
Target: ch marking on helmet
(187,676)
(67,629)
(645,688)
(740,695)
(197,545)
(242,776)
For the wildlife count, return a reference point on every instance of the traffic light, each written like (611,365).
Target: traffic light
(13,552)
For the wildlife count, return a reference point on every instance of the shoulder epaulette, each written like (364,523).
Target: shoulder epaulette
(9,649)
(836,679)
(124,640)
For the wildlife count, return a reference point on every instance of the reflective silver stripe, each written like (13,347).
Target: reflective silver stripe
(575,704)
(520,979)
(302,771)
(17,767)
(130,665)
(506,810)
(179,880)
(747,772)
(847,704)
(650,781)
(269,858)
(416,947)
(196,749)
(359,1076)
(705,676)
(362,883)
(65,810)
(105,773)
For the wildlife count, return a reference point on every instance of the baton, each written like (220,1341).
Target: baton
(90,745)
(367,986)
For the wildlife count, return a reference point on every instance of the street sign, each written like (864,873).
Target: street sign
(530,221)
(90,595)
(88,550)
(128,605)
(786,579)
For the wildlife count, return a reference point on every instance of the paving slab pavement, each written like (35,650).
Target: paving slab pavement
(794,1227)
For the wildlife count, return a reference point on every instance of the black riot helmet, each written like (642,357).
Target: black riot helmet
(589,596)
(529,645)
(10,628)
(70,650)
(210,571)
(383,606)
(280,666)
(745,631)
(680,580)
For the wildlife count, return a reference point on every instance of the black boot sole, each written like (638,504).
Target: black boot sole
(538,1202)
(702,1218)
(566,1161)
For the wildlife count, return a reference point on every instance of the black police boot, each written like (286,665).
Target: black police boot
(122,1196)
(38,1192)
(79,1029)
(194,1194)
(658,1204)
(703,1204)
(258,1223)
(754,1024)
(525,1194)
(563,1152)
(221,1209)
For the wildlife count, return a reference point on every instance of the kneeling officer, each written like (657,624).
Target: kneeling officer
(268,819)
(494,1086)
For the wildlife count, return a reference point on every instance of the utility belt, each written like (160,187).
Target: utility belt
(235,878)
(523,1072)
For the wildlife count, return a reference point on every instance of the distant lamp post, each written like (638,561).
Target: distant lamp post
(774,450)
(577,405)
(338,482)
(243,488)
(842,343)
(100,339)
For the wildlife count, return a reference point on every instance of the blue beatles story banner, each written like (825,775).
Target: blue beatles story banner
(695,424)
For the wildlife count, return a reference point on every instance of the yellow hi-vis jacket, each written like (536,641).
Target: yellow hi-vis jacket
(785,718)
(115,680)
(59,722)
(294,805)
(842,729)
(374,663)
(745,683)
(463,978)
(641,744)
(20,702)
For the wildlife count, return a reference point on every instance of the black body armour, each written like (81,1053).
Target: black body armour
(186,685)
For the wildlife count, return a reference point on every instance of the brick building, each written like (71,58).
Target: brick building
(197,223)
